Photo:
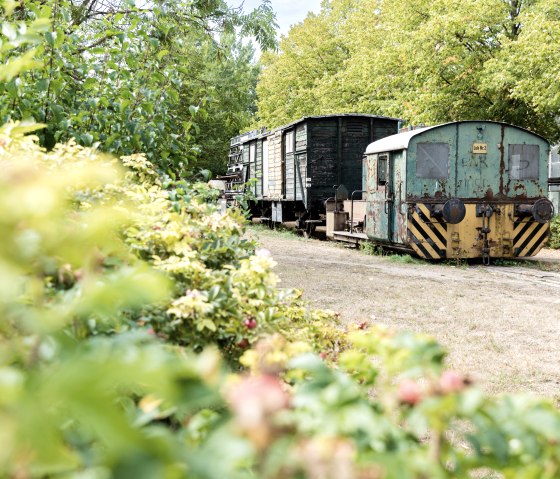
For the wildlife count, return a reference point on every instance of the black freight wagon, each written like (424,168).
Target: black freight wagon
(293,169)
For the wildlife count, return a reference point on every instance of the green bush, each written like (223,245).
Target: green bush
(554,241)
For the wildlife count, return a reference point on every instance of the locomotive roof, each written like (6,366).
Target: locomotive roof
(400,141)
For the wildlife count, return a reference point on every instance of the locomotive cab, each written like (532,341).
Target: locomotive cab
(471,189)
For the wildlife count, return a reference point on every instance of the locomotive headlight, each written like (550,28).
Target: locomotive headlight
(454,211)
(542,210)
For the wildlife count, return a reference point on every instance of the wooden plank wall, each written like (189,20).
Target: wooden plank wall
(275,165)
(258,169)
(301,163)
(289,159)
(322,160)
(355,138)
(315,148)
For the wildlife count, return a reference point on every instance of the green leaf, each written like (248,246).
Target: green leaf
(90,83)
(51,38)
(86,139)
(9,31)
(43,84)
(162,54)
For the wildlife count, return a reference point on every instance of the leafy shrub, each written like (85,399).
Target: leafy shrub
(75,399)
(88,389)
(224,290)
(554,241)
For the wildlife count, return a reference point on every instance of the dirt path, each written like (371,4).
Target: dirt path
(500,324)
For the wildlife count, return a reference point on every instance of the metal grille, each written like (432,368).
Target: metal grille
(432,160)
(523,162)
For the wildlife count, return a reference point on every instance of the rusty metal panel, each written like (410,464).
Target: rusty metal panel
(479,162)
(387,209)
(377,226)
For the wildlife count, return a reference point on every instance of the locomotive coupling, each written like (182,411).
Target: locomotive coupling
(542,210)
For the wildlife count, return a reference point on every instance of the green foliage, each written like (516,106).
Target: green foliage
(100,264)
(424,61)
(74,397)
(419,421)
(554,241)
(288,87)
(224,291)
(372,249)
(171,79)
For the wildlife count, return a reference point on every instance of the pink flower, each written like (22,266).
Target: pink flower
(255,398)
(451,382)
(409,392)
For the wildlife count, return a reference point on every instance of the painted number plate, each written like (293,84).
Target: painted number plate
(480,148)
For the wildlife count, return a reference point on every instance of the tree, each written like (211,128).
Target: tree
(433,61)
(291,83)
(132,77)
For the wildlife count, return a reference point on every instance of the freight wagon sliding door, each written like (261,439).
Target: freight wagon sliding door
(301,164)
(266,189)
(289,163)
(258,169)
(354,135)
(252,161)
(301,173)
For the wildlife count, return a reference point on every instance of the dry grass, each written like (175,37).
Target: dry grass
(500,324)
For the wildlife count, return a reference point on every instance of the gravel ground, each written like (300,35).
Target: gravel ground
(501,325)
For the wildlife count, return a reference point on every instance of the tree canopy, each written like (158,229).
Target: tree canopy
(424,61)
(139,77)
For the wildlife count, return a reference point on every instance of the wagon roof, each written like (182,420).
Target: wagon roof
(334,115)
(400,141)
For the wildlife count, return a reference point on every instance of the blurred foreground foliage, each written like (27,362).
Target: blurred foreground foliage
(142,336)
(129,305)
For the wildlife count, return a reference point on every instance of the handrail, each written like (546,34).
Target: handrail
(352,208)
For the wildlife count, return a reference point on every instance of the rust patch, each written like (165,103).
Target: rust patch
(489,194)
(502,161)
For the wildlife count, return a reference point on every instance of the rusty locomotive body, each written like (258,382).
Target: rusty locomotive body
(470,189)
(292,170)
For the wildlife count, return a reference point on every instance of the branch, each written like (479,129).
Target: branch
(101,41)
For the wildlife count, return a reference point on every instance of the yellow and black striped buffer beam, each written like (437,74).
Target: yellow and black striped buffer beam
(529,236)
(426,236)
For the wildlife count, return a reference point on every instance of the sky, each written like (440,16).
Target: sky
(288,12)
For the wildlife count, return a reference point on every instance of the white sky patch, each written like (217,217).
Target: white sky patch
(288,12)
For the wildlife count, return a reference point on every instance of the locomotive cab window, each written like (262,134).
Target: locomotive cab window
(523,162)
(382,170)
(432,160)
